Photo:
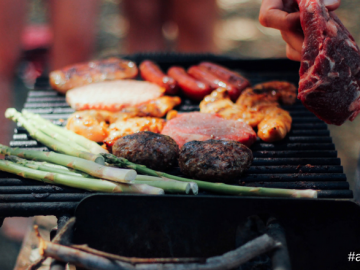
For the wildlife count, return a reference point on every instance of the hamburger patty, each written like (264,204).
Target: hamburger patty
(214,160)
(156,151)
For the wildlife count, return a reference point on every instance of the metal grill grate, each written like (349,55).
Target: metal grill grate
(306,158)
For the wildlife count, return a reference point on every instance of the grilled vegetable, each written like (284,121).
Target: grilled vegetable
(191,87)
(91,146)
(168,185)
(87,166)
(215,187)
(50,141)
(152,73)
(214,160)
(155,151)
(91,184)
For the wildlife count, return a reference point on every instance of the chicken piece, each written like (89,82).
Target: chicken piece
(123,127)
(275,125)
(94,71)
(256,106)
(158,107)
(276,90)
(93,124)
(113,95)
(219,102)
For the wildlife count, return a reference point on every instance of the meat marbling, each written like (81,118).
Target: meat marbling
(330,67)
(204,126)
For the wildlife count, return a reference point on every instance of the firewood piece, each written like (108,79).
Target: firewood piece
(229,260)
(280,256)
(134,260)
(63,237)
(80,258)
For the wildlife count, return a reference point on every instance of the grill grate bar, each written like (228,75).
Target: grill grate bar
(311,177)
(295,169)
(45,197)
(309,132)
(343,194)
(301,185)
(36,189)
(295,161)
(293,146)
(293,154)
(26,209)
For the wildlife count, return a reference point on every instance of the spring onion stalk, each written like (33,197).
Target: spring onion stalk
(87,166)
(50,142)
(99,185)
(46,167)
(91,146)
(215,187)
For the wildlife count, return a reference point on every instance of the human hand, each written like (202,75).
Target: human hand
(284,15)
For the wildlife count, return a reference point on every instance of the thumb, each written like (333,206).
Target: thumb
(332,4)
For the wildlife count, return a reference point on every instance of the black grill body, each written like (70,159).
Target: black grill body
(305,159)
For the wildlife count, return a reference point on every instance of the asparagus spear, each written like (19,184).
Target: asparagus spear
(215,187)
(91,184)
(92,147)
(87,166)
(49,141)
(46,167)
(170,186)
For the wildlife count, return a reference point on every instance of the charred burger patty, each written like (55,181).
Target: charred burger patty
(214,160)
(156,151)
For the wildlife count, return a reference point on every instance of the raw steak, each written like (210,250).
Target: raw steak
(330,67)
(204,126)
(113,95)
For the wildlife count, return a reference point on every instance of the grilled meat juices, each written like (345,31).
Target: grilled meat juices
(214,160)
(156,151)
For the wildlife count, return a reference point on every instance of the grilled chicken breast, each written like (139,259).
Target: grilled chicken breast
(258,107)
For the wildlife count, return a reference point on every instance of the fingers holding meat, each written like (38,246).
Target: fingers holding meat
(285,16)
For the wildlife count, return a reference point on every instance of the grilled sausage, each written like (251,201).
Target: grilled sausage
(231,77)
(202,74)
(151,72)
(156,151)
(91,72)
(191,87)
(214,160)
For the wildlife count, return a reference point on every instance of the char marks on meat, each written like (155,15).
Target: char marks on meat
(204,126)
(330,67)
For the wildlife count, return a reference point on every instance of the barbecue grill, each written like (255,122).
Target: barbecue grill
(305,159)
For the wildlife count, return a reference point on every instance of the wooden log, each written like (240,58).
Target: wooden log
(134,260)
(280,257)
